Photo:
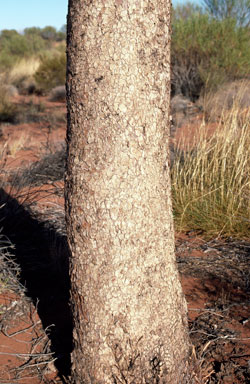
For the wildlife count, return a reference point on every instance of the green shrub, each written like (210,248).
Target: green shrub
(32,31)
(207,52)
(7,61)
(49,33)
(14,43)
(14,47)
(51,72)
(36,44)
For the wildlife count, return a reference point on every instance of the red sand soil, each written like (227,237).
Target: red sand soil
(16,345)
(214,305)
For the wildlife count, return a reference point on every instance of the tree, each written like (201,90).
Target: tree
(49,33)
(235,9)
(127,303)
(8,34)
(14,43)
(32,31)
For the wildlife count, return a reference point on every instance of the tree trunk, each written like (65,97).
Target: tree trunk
(128,307)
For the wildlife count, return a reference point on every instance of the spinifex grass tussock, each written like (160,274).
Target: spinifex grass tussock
(210,179)
(23,68)
(49,169)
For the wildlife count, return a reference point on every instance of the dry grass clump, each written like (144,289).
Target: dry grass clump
(49,169)
(13,113)
(8,111)
(21,74)
(23,68)
(210,183)
(12,147)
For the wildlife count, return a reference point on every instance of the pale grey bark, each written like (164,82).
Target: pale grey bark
(128,307)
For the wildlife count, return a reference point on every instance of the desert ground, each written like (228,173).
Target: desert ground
(36,328)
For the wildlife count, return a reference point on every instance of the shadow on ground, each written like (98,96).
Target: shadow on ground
(215,279)
(42,253)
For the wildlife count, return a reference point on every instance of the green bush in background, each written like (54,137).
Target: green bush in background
(15,46)
(47,33)
(210,46)
(207,52)
(51,72)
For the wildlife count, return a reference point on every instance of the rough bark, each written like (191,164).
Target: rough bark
(128,307)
